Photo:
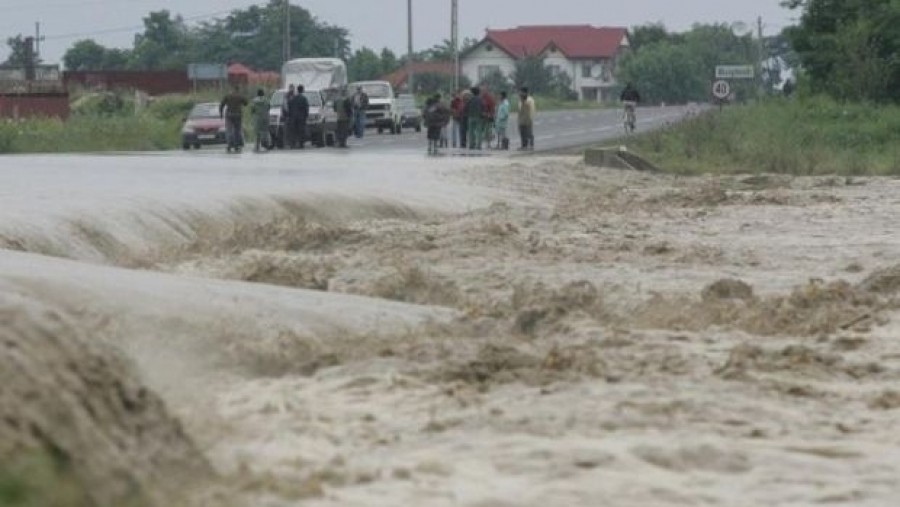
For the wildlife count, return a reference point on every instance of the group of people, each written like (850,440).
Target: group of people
(351,112)
(475,117)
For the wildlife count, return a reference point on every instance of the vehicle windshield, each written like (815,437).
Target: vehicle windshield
(407,103)
(208,110)
(314,98)
(375,90)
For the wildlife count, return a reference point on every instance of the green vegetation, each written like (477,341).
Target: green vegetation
(37,480)
(104,122)
(802,137)
(678,67)
(251,35)
(849,48)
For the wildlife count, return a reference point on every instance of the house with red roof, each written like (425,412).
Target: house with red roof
(588,54)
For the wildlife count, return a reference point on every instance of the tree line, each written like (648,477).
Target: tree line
(848,49)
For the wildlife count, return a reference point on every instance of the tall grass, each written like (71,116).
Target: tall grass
(806,136)
(104,122)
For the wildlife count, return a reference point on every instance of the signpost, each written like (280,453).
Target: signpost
(735,72)
(207,72)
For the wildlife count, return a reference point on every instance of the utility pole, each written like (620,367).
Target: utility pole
(410,71)
(38,38)
(286,43)
(761,52)
(454,41)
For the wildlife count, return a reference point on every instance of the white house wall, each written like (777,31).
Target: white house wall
(480,56)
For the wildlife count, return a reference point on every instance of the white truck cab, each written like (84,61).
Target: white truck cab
(383,112)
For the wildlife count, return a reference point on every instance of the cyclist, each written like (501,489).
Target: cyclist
(630,99)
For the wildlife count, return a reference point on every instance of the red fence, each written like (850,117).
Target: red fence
(51,105)
(150,82)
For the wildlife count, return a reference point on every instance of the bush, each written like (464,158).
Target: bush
(816,135)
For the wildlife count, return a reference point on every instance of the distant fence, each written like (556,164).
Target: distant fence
(150,82)
(32,105)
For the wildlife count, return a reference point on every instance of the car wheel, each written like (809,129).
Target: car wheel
(186,146)
(197,146)
(380,130)
(418,127)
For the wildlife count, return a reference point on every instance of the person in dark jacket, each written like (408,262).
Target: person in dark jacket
(475,114)
(232,109)
(437,116)
(466,96)
(298,114)
(343,106)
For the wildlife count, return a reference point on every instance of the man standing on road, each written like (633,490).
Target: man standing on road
(260,111)
(503,122)
(490,110)
(298,113)
(360,105)
(286,134)
(527,112)
(343,106)
(465,97)
(456,107)
(475,113)
(437,116)
(232,109)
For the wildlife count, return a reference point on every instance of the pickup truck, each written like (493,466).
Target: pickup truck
(321,124)
(383,112)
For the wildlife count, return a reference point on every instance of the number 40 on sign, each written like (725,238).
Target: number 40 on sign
(721,89)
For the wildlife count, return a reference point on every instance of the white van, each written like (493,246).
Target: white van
(383,112)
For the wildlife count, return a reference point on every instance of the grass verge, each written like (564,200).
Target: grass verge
(800,137)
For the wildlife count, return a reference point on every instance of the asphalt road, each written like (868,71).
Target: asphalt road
(554,130)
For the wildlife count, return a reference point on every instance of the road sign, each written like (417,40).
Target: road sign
(207,71)
(734,72)
(721,89)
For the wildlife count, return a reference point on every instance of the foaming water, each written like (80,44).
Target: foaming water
(143,238)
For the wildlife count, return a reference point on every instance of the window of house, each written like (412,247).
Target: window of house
(586,69)
(554,69)
(486,70)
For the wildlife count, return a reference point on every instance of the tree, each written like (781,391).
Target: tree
(849,48)
(649,34)
(665,72)
(389,62)
(85,55)
(17,52)
(496,81)
(531,72)
(254,36)
(364,65)
(164,43)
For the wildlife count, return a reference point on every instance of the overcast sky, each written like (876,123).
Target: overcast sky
(375,23)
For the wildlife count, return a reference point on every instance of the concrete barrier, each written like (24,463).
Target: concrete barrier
(617,158)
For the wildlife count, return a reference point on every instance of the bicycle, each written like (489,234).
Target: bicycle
(630,117)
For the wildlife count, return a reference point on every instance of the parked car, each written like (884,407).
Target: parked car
(382,113)
(203,126)
(410,113)
(321,124)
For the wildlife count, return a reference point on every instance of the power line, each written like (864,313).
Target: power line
(131,28)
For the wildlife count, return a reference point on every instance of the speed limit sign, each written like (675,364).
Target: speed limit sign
(721,89)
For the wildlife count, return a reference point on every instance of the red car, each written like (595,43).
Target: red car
(203,126)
